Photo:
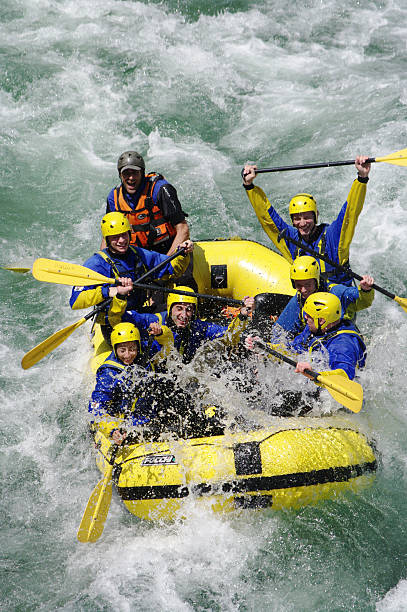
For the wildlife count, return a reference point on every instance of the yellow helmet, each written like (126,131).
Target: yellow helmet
(303,202)
(176,298)
(303,268)
(125,332)
(323,305)
(114,223)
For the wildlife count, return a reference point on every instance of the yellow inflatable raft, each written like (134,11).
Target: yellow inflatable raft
(236,268)
(293,462)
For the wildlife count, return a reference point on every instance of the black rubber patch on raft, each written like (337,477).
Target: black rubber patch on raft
(247,458)
(219,277)
(249,485)
(253,501)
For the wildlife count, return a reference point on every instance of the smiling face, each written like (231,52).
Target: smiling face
(306,287)
(304,222)
(119,243)
(127,351)
(131,180)
(182,314)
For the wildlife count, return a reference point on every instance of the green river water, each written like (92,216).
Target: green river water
(198,88)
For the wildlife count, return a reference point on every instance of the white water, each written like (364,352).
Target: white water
(198,92)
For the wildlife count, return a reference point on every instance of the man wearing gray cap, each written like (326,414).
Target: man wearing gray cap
(151,205)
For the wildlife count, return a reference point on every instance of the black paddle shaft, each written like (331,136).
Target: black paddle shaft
(180,251)
(286,359)
(305,247)
(106,302)
(98,308)
(347,162)
(216,298)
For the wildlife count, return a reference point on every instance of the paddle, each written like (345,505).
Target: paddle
(216,298)
(18,270)
(64,273)
(97,508)
(48,345)
(283,234)
(347,392)
(41,350)
(61,272)
(399,158)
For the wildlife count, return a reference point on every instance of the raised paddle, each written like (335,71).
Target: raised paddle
(64,273)
(347,392)
(46,346)
(399,158)
(97,508)
(303,245)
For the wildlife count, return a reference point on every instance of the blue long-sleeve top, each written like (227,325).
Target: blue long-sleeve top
(115,392)
(345,346)
(333,239)
(188,340)
(133,264)
(291,319)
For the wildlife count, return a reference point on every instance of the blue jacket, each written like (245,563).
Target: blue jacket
(135,262)
(333,239)
(345,346)
(115,394)
(291,319)
(188,340)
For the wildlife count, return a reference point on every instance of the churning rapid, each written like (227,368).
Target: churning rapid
(199,88)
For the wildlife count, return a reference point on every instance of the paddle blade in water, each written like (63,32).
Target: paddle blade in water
(94,517)
(63,273)
(48,345)
(347,392)
(398,159)
(402,302)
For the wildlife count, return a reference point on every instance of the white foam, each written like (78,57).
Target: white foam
(395,600)
(278,83)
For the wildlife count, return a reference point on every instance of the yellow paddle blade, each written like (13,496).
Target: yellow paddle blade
(19,270)
(48,345)
(347,392)
(63,273)
(402,302)
(94,517)
(398,159)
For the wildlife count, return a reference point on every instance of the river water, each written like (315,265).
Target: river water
(198,88)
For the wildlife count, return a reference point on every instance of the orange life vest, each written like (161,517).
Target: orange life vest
(147,221)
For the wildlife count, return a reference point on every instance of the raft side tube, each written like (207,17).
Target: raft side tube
(237,268)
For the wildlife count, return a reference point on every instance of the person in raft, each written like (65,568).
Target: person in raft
(133,403)
(118,381)
(151,205)
(328,334)
(180,327)
(125,263)
(332,240)
(306,279)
